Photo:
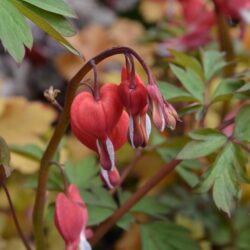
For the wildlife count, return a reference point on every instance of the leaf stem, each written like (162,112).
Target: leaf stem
(61,126)
(13,212)
(151,183)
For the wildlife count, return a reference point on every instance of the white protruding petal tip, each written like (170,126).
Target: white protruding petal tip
(245,14)
(148,126)
(111,152)
(105,176)
(131,130)
(84,244)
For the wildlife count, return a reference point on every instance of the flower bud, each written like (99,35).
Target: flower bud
(71,217)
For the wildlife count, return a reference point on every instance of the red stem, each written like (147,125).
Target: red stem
(13,212)
(61,126)
(151,183)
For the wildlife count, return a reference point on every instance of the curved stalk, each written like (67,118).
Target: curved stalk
(59,132)
(151,183)
(13,213)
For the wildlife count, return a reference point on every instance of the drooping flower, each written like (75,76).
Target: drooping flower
(198,21)
(236,10)
(164,115)
(101,125)
(134,97)
(95,123)
(71,217)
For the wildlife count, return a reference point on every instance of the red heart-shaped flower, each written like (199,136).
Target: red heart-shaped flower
(96,118)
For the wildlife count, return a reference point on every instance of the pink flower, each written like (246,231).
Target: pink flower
(134,97)
(71,217)
(164,115)
(235,9)
(198,23)
(101,125)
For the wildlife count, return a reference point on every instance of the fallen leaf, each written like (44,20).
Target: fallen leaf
(24,122)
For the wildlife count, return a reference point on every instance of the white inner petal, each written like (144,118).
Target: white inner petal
(84,245)
(111,152)
(148,126)
(105,176)
(131,131)
(245,14)
(162,119)
(98,146)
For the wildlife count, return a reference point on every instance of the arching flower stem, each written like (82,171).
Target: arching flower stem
(40,199)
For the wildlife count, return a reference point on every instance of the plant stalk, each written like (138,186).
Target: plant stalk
(40,199)
(150,184)
(13,213)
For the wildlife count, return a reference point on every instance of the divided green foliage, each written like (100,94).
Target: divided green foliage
(85,173)
(54,6)
(165,235)
(224,177)
(191,81)
(174,94)
(242,128)
(213,61)
(14,31)
(187,61)
(205,142)
(30,151)
(186,171)
(49,15)
(226,89)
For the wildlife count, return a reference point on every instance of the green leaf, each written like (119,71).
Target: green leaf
(187,61)
(222,176)
(242,121)
(190,109)
(84,173)
(174,94)
(204,134)
(244,89)
(58,22)
(226,88)
(98,214)
(148,204)
(54,6)
(151,206)
(166,236)
(206,142)
(30,151)
(44,25)
(213,62)
(184,170)
(5,157)
(100,204)
(14,31)
(190,80)
(126,221)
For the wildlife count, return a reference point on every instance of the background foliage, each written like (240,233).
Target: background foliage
(204,203)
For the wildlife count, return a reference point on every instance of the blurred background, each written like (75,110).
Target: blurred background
(152,28)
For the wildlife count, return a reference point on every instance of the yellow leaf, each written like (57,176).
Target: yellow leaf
(24,122)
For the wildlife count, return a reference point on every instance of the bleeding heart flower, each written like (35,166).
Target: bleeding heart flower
(93,122)
(134,97)
(71,217)
(164,115)
(235,9)
(198,23)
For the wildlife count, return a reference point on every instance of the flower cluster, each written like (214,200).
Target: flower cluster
(103,122)
(199,19)
(71,217)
